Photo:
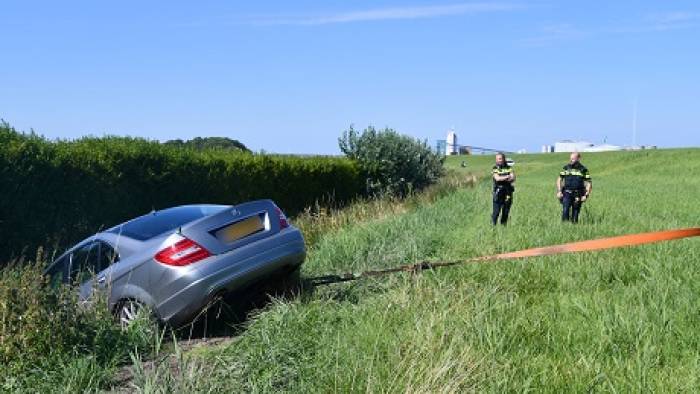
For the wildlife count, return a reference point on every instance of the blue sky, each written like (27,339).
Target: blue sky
(289,77)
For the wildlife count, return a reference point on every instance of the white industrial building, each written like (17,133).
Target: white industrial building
(571,146)
(581,146)
(452,146)
(603,148)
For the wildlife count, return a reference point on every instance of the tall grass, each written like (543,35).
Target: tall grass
(619,320)
(50,341)
(48,338)
(319,220)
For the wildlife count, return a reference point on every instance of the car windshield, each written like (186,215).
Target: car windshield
(159,222)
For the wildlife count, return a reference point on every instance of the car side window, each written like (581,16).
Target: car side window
(59,272)
(108,256)
(84,262)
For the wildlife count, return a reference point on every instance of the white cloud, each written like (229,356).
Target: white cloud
(652,23)
(676,17)
(551,34)
(394,13)
(674,20)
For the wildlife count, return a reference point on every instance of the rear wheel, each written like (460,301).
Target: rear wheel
(130,312)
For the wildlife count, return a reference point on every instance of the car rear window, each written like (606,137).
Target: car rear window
(159,222)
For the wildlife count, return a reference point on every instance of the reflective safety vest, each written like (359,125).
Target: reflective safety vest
(574,176)
(502,170)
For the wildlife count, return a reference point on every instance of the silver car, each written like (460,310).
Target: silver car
(177,260)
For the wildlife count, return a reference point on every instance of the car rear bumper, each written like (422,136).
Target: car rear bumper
(230,271)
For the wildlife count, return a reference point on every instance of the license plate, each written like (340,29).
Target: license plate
(240,229)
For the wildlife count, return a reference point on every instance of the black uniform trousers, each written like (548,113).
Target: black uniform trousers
(571,205)
(502,200)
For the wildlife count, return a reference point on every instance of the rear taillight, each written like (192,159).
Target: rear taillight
(283,218)
(182,252)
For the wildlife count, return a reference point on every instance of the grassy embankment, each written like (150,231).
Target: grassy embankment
(47,343)
(617,320)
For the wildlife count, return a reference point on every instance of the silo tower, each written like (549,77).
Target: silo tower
(452,146)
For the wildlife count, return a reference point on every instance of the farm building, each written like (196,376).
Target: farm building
(583,146)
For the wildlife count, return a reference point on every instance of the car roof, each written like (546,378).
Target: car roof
(155,212)
(122,242)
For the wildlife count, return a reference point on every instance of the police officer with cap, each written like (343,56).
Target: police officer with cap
(503,178)
(573,188)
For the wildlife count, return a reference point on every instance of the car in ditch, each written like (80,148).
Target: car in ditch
(176,261)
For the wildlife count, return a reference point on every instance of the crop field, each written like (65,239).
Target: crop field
(609,321)
(619,320)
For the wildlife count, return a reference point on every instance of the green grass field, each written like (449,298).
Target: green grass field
(620,320)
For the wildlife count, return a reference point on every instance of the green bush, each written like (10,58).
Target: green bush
(392,163)
(61,192)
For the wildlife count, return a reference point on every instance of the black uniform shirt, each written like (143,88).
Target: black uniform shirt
(574,176)
(504,169)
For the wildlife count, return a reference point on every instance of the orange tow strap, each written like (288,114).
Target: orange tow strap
(573,247)
(601,244)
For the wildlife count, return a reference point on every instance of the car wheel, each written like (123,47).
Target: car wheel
(130,311)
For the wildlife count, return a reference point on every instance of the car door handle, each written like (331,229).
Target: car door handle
(101,280)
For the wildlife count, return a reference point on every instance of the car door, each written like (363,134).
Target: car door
(107,257)
(83,263)
(90,265)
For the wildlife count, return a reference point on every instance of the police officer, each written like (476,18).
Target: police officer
(573,188)
(503,178)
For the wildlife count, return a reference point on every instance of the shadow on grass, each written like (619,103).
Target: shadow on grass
(229,314)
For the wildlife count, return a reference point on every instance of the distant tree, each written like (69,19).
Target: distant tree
(202,143)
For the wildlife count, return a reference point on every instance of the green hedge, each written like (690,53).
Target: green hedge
(61,192)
